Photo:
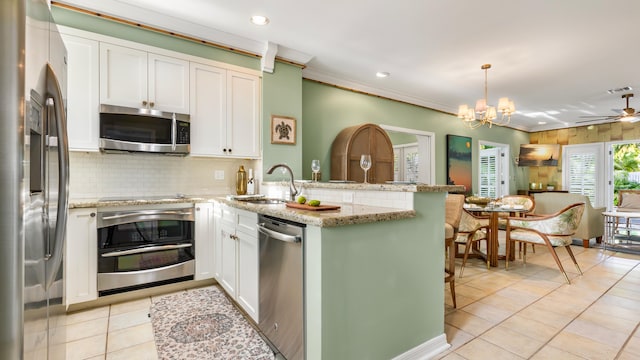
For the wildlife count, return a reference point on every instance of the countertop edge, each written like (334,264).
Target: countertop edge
(349,214)
(325,218)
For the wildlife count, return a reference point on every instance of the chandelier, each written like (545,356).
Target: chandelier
(486,114)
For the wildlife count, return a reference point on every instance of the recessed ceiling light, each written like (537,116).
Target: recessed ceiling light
(542,122)
(259,20)
(382,74)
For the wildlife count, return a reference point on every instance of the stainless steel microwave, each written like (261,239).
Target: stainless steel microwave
(143,130)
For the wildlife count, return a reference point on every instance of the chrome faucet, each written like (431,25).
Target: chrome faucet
(292,187)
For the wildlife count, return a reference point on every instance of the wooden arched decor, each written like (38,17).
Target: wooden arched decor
(354,141)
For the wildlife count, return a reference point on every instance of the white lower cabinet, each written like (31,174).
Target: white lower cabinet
(204,241)
(81,256)
(236,256)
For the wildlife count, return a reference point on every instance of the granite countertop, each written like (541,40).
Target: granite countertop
(348,214)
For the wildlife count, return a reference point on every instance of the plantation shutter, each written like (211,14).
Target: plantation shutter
(406,163)
(583,169)
(489,163)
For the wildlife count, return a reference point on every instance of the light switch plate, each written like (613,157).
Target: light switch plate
(347,197)
(219,174)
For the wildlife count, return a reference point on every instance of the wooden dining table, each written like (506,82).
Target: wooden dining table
(494,213)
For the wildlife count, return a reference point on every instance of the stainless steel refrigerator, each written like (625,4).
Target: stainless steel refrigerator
(33,180)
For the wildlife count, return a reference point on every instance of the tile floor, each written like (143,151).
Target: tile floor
(528,312)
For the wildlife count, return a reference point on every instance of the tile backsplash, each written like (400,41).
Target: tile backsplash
(391,199)
(96,175)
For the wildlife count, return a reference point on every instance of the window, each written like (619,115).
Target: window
(406,161)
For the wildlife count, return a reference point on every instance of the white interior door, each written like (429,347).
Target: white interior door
(583,171)
(493,170)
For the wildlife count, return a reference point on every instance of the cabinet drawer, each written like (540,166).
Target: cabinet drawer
(247,222)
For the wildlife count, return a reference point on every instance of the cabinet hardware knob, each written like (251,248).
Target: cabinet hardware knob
(92,214)
(224,150)
(197,209)
(152,104)
(144,102)
(229,150)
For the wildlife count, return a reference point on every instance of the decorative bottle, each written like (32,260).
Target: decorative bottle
(241,181)
(250,185)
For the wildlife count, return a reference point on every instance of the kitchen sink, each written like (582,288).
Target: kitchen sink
(266,201)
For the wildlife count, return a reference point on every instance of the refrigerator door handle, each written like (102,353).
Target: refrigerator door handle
(54,92)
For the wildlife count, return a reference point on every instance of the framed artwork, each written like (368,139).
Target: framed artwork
(459,166)
(539,155)
(283,130)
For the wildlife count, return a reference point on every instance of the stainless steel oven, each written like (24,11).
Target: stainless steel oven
(145,247)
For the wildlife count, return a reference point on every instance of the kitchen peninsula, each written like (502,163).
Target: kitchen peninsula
(374,289)
(373,270)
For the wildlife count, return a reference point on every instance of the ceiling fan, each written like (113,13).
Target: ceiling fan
(628,114)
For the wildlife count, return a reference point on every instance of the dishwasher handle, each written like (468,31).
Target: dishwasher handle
(277,235)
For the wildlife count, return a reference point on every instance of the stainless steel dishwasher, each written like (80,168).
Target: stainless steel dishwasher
(281,284)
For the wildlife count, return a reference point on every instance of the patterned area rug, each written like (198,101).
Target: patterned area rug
(203,324)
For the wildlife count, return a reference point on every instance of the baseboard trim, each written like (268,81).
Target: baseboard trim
(426,350)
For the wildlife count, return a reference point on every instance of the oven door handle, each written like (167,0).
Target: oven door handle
(144,213)
(145,250)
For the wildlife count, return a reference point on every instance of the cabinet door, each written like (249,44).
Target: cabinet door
(123,76)
(228,250)
(168,84)
(208,86)
(204,241)
(248,273)
(81,256)
(243,114)
(83,97)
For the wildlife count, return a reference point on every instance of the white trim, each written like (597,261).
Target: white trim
(174,24)
(427,350)
(431,143)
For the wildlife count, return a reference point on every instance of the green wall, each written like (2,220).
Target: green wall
(375,290)
(328,109)
(282,95)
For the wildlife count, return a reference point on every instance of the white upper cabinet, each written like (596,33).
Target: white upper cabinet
(208,109)
(243,118)
(83,97)
(225,112)
(138,79)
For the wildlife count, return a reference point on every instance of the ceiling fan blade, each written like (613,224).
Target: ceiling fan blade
(594,121)
(604,117)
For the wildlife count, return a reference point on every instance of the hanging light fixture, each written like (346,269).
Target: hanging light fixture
(486,114)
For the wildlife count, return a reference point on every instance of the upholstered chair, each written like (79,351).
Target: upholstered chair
(524,201)
(472,229)
(628,201)
(453,212)
(554,230)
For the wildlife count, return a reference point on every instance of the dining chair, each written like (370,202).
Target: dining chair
(528,203)
(472,229)
(453,212)
(554,230)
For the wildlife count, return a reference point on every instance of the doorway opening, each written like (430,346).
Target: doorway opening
(493,169)
(414,154)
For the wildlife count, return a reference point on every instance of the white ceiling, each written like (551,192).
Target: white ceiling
(555,59)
